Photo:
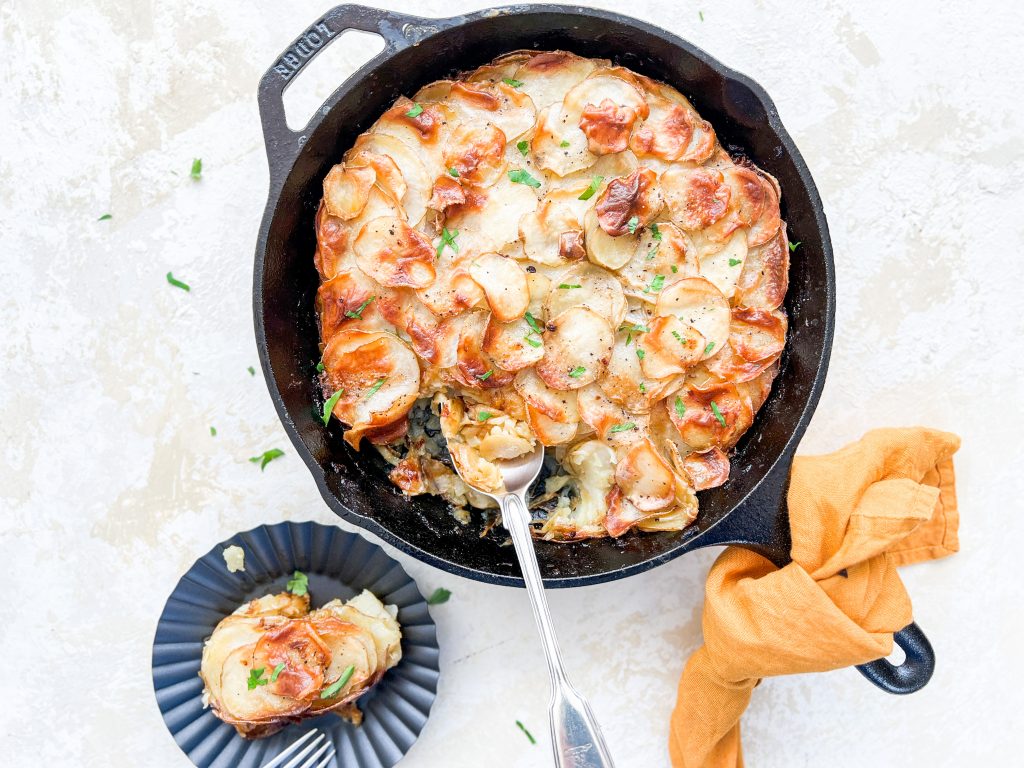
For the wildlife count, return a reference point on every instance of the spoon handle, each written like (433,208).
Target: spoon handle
(575,734)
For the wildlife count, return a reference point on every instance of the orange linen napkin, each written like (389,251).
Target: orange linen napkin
(887,500)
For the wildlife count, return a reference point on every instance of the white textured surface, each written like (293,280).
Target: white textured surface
(909,116)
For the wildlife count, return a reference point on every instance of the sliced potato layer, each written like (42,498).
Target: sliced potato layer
(577,347)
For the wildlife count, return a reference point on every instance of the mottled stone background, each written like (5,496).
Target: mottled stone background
(909,115)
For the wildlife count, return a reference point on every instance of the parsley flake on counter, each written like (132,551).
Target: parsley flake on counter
(375,388)
(416,111)
(718,413)
(484,416)
(589,191)
(734,262)
(511,81)
(523,147)
(532,322)
(266,457)
(335,688)
(528,734)
(680,408)
(701,14)
(448,238)
(486,376)
(357,314)
(453,171)
(251,370)
(632,224)
(624,427)
(519,176)
(256,678)
(438,596)
(105,217)
(197,169)
(568,286)
(298,584)
(277,671)
(794,246)
(329,405)
(177,283)
(656,284)
(213,431)
(576,372)
(709,347)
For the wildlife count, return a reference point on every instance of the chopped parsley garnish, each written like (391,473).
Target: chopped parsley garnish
(252,371)
(532,322)
(453,171)
(636,327)
(679,338)
(718,413)
(335,688)
(105,217)
(266,457)
(375,388)
(632,224)
(589,191)
(576,372)
(734,262)
(320,367)
(416,111)
(563,143)
(177,283)
(357,314)
(643,388)
(524,148)
(484,416)
(794,246)
(624,427)
(329,405)
(486,376)
(448,238)
(519,176)
(680,408)
(528,734)
(438,596)
(709,347)
(656,284)
(277,671)
(568,286)
(298,584)
(652,253)
(656,233)
(674,269)
(197,169)
(533,342)
(512,82)
(256,678)
(640,353)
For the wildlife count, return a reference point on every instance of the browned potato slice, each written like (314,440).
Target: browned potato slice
(394,254)
(696,197)
(548,76)
(670,347)
(753,204)
(512,346)
(711,417)
(673,256)
(474,368)
(577,346)
(497,104)
(549,431)
(426,133)
(672,132)
(504,284)
(757,334)
(644,478)
(708,469)
(417,180)
(453,290)
(386,171)
(350,300)
(501,69)
(489,220)
(629,202)
(586,285)
(767,224)
(477,154)
(700,304)
(379,378)
(603,249)
(624,382)
(236,704)
(557,405)
(724,264)
(613,85)
(558,144)
(543,230)
(612,423)
(346,190)
(765,277)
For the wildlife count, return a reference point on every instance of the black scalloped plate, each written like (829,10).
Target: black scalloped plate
(338,564)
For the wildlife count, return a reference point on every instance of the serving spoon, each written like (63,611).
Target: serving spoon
(575,734)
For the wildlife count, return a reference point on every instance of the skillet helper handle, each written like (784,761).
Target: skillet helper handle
(399,31)
(915,671)
(575,735)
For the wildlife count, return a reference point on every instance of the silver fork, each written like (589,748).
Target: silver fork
(304,759)
(575,734)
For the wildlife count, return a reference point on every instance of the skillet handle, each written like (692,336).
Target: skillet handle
(398,30)
(764,528)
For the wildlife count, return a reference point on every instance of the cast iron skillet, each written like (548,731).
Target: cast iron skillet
(750,509)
